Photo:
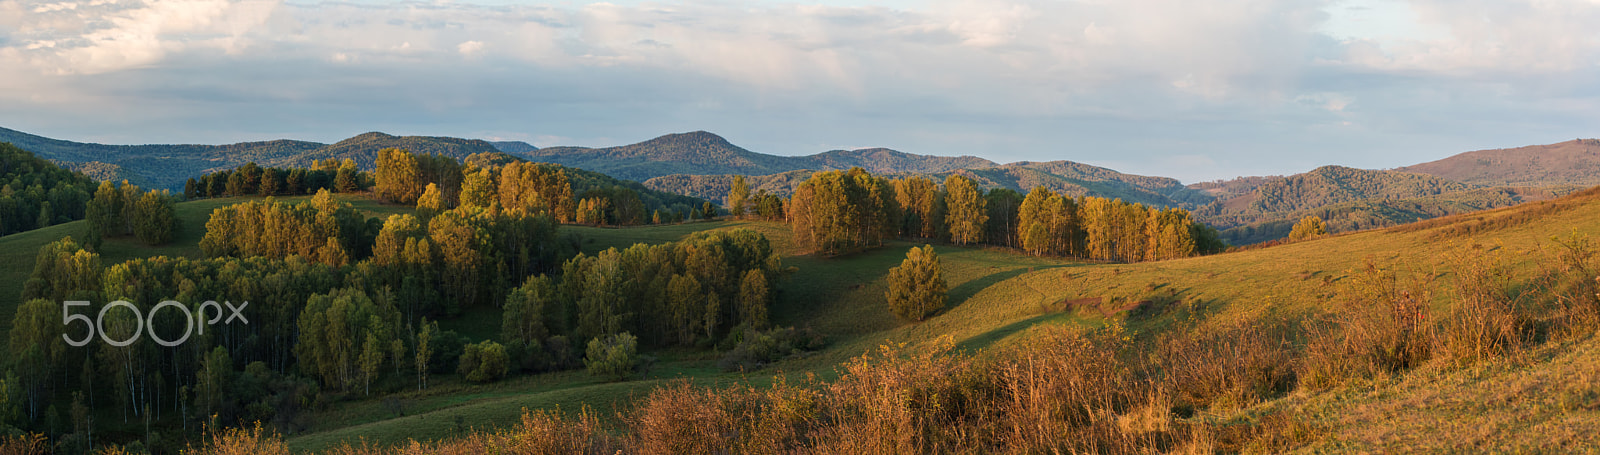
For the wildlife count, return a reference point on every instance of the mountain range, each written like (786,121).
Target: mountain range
(702,164)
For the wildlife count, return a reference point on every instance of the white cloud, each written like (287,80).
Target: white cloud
(1223,79)
(470,48)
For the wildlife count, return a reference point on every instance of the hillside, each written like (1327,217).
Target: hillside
(1575,162)
(364,149)
(1001,301)
(167,166)
(514,147)
(703,153)
(584,181)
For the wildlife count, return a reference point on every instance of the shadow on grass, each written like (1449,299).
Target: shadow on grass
(966,290)
(989,338)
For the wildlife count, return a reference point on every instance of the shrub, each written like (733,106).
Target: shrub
(484,362)
(1230,367)
(756,348)
(1308,228)
(917,288)
(1489,316)
(1381,328)
(614,356)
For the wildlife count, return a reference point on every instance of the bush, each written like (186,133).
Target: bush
(1382,328)
(484,362)
(1489,317)
(756,348)
(614,356)
(1308,228)
(917,288)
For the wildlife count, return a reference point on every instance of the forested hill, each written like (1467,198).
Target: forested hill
(1575,162)
(1255,209)
(1066,177)
(703,153)
(364,149)
(167,166)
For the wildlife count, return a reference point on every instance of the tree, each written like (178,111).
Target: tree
(431,202)
(738,197)
(191,189)
(923,206)
(425,351)
(754,295)
(213,382)
(839,212)
(967,215)
(348,180)
(372,353)
(917,288)
(484,362)
(614,356)
(154,218)
(1308,228)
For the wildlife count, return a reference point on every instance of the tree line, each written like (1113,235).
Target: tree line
(251,179)
(35,193)
(838,212)
(117,211)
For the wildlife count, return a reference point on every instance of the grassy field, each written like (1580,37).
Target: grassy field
(1519,403)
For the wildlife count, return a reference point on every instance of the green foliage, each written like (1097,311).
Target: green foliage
(840,212)
(923,207)
(320,229)
(35,193)
(348,180)
(1308,228)
(615,357)
(683,293)
(738,197)
(154,218)
(484,362)
(966,213)
(61,271)
(917,288)
(333,330)
(756,348)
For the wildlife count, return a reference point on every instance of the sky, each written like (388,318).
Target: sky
(1197,90)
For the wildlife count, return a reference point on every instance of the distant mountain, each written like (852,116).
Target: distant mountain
(1076,179)
(364,149)
(167,166)
(1256,209)
(702,153)
(584,181)
(1575,162)
(514,147)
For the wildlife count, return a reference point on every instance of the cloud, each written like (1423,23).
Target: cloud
(1242,83)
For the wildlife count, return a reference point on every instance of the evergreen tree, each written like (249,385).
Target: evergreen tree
(917,288)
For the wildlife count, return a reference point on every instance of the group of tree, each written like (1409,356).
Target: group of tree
(253,180)
(464,256)
(484,180)
(1109,229)
(35,193)
(117,211)
(837,212)
(692,292)
(843,211)
(762,205)
(321,229)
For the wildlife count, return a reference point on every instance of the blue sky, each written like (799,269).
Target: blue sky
(1192,89)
